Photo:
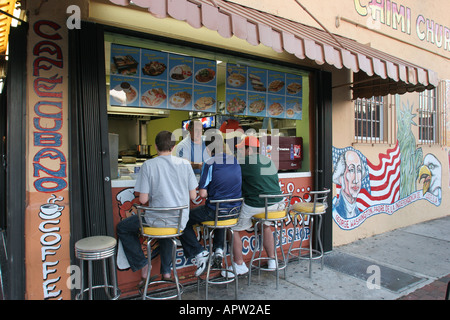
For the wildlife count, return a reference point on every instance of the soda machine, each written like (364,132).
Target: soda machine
(285,152)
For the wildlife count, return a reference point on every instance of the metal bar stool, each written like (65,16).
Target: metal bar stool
(316,208)
(225,218)
(97,248)
(274,218)
(297,222)
(161,223)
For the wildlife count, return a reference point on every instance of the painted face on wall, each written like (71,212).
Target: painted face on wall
(352,176)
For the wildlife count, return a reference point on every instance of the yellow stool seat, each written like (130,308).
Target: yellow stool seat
(161,223)
(226,216)
(227,222)
(160,231)
(266,220)
(271,215)
(308,207)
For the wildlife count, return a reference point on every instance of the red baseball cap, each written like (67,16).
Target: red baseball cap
(230,125)
(250,141)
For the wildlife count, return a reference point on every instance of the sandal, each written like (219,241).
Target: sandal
(167,279)
(141,283)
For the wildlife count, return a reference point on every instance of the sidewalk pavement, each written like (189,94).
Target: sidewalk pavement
(411,263)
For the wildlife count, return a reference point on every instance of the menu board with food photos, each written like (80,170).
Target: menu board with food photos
(265,93)
(155,79)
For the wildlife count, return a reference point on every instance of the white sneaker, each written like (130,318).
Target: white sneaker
(240,269)
(271,264)
(201,261)
(219,252)
(218,257)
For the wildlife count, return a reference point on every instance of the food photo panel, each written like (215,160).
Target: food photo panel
(257,103)
(124,60)
(180,96)
(236,102)
(204,99)
(294,85)
(154,94)
(124,91)
(236,77)
(180,68)
(276,106)
(294,108)
(257,79)
(276,82)
(205,72)
(154,64)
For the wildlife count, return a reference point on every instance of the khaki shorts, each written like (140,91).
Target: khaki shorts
(247,212)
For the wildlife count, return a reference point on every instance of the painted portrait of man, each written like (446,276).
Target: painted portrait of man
(349,172)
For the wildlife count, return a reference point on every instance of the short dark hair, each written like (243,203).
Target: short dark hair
(164,141)
(214,142)
(192,123)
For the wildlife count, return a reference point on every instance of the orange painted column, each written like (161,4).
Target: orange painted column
(47,215)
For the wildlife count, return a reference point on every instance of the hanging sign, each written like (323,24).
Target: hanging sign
(146,78)
(265,93)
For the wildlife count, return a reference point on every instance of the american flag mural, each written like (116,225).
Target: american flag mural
(383,182)
(380,188)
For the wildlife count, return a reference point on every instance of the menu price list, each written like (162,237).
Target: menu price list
(155,79)
(259,92)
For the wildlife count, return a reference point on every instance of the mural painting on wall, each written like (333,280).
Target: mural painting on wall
(126,201)
(365,188)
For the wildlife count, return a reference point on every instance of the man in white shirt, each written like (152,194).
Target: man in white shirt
(164,181)
(192,147)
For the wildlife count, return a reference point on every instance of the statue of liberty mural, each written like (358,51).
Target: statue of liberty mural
(410,156)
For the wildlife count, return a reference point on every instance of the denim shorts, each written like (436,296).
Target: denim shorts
(247,212)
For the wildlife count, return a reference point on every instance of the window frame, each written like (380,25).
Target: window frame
(375,125)
(428,108)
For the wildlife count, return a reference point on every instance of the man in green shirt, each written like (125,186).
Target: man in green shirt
(259,176)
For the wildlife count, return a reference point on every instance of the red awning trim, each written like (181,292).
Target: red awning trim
(281,34)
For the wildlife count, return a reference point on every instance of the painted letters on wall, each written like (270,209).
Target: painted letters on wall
(398,16)
(47,224)
(365,188)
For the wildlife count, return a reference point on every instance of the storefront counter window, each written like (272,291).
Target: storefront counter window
(158,81)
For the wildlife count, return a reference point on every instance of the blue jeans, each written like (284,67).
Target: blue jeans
(128,233)
(191,246)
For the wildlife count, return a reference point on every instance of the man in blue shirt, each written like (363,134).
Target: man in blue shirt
(221,179)
(192,147)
